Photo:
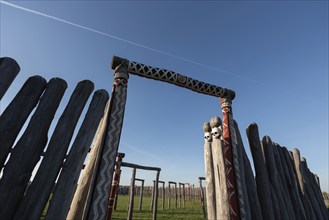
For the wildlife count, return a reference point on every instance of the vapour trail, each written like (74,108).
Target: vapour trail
(111,36)
(152,49)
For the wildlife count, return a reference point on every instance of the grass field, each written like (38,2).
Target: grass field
(192,210)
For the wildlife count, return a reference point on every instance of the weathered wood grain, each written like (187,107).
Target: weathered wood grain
(240,149)
(311,194)
(283,182)
(274,177)
(209,172)
(314,182)
(300,179)
(80,199)
(291,183)
(67,181)
(28,149)
(222,198)
(16,113)
(9,69)
(35,200)
(262,179)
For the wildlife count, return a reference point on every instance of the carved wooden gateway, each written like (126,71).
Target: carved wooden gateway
(122,69)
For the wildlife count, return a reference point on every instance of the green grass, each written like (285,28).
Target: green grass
(192,210)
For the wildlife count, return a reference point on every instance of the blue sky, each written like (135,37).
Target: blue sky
(274,54)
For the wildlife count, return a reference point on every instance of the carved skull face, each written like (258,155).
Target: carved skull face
(216,132)
(207,137)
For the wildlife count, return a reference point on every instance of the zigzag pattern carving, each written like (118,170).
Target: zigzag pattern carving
(103,184)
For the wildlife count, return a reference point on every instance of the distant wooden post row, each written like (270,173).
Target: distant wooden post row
(204,214)
(132,186)
(141,193)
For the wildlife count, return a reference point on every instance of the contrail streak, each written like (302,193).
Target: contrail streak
(155,50)
(112,36)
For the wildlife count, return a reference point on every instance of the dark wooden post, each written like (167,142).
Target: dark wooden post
(9,69)
(141,195)
(27,151)
(153,195)
(18,110)
(163,194)
(274,178)
(204,215)
(262,179)
(301,182)
(176,197)
(155,205)
(169,195)
(116,193)
(290,175)
(253,208)
(184,195)
(104,168)
(180,194)
(132,195)
(115,185)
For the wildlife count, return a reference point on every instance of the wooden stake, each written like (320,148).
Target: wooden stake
(230,167)
(9,69)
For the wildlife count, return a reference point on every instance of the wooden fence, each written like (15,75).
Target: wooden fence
(283,186)
(19,154)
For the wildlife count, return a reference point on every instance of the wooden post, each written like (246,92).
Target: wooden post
(26,153)
(115,185)
(116,193)
(300,179)
(222,198)
(230,166)
(105,166)
(262,179)
(80,199)
(18,110)
(9,69)
(132,195)
(209,171)
(176,196)
(253,210)
(153,195)
(141,196)
(319,210)
(274,178)
(204,215)
(163,194)
(155,205)
(184,195)
(169,195)
(180,195)
(293,185)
